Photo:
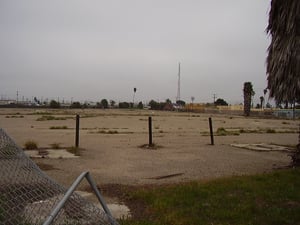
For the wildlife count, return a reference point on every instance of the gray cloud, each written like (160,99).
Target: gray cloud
(91,50)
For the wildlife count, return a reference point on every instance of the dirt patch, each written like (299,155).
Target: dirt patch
(118,159)
(150,147)
(138,209)
(45,167)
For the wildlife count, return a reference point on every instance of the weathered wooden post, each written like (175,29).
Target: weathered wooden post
(77,131)
(150,130)
(211,131)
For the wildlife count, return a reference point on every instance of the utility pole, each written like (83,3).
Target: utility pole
(215,96)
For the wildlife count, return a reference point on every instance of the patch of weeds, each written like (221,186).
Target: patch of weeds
(44,166)
(242,131)
(284,122)
(112,132)
(41,113)
(15,116)
(58,127)
(55,146)
(105,132)
(221,131)
(47,117)
(250,131)
(101,132)
(161,131)
(270,131)
(156,127)
(30,145)
(74,150)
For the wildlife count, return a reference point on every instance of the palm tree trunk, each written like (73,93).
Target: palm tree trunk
(247,104)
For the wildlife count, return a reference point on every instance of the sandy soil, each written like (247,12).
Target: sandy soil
(111,140)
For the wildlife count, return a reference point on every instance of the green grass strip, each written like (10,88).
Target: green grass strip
(261,199)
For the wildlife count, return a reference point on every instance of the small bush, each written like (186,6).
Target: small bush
(30,145)
(270,131)
(106,132)
(112,132)
(221,131)
(58,127)
(47,117)
(13,116)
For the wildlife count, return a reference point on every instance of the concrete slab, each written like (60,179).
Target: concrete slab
(263,147)
(50,153)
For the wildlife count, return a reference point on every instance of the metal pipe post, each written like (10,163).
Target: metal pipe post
(77,131)
(211,131)
(150,130)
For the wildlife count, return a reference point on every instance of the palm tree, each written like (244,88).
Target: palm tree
(248,92)
(283,60)
(134,91)
(192,99)
(261,98)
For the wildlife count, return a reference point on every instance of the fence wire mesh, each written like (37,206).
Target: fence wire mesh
(28,196)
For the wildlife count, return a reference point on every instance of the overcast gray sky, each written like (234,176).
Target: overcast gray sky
(94,49)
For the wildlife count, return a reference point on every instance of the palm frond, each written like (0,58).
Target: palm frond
(283,60)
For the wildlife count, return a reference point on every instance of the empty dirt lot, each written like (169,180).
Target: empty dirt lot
(111,140)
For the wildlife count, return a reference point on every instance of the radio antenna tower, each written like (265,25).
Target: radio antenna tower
(178,85)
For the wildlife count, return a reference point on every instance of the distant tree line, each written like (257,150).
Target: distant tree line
(167,105)
(103,104)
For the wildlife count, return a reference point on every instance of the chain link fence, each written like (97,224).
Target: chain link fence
(28,196)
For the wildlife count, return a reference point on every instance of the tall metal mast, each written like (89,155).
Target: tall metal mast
(178,85)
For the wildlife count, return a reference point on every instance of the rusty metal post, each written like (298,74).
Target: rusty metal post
(211,131)
(150,130)
(77,131)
